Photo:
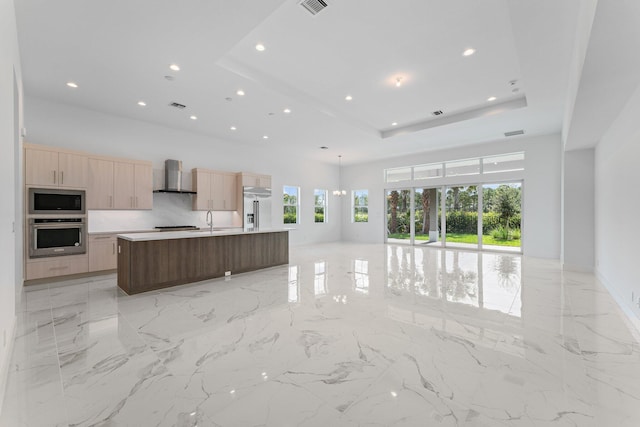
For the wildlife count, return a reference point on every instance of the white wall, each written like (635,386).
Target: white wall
(541,190)
(578,240)
(80,129)
(618,207)
(9,67)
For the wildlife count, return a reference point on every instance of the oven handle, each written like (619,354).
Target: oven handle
(59,225)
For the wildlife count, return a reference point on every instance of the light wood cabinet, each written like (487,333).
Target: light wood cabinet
(56,266)
(55,169)
(100,189)
(215,190)
(143,189)
(119,185)
(255,180)
(102,252)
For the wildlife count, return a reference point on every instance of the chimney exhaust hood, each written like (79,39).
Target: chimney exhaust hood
(173,178)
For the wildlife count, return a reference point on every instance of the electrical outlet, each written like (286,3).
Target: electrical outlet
(227,273)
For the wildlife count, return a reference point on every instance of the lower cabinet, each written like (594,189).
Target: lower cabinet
(102,252)
(156,264)
(56,266)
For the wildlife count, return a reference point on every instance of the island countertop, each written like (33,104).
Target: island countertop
(188,234)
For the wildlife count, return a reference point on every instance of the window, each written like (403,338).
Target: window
(504,163)
(320,201)
(428,171)
(291,203)
(499,163)
(463,167)
(361,206)
(398,174)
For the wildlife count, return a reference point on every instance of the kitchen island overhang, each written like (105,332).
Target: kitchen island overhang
(150,261)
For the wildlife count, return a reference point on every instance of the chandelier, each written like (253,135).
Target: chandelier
(339,192)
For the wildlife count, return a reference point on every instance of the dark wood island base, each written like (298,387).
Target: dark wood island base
(146,265)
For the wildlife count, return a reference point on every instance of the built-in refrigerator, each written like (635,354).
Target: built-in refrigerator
(257,208)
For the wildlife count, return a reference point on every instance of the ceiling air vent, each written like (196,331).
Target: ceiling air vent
(313,6)
(437,112)
(514,133)
(177,105)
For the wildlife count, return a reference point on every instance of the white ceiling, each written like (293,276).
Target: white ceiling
(119,51)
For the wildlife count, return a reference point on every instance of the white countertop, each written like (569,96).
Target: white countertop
(168,235)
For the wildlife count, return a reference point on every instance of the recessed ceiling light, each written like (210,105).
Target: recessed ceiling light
(468,52)
(265,136)
(174,67)
(142,103)
(348,97)
(394,124)
(72,84)
(193,117)
(233,128)
(491,98)
(286,111)
(398,81)
(240,92)
(260,47)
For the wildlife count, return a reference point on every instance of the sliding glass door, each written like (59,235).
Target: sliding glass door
(486,216)
(399,208)
(501,216)
(427,216)
(461,210)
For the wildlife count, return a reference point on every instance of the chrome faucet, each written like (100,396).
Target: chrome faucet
(210,220)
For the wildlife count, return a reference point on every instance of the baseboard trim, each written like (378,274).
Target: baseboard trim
(4,369)
(629,315)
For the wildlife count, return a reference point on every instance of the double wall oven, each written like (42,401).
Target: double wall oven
(57,222)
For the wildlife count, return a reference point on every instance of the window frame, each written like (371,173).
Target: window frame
(296,205)
(324,206)
(355,206)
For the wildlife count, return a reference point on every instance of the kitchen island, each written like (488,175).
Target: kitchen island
(149,261)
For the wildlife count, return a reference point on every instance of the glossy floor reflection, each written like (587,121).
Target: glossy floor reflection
(346,335)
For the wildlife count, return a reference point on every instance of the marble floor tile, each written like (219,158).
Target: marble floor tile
(344,335)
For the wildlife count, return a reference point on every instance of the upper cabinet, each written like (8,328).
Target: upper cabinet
(256,180)
(115,184)
(52,168)
(100,190)
(216,191)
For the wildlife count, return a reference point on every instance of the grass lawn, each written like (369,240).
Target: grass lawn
(462,238)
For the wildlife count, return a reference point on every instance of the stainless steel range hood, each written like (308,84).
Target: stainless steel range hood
(173,178)
(173,175)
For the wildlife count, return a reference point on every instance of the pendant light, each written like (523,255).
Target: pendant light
(339,192)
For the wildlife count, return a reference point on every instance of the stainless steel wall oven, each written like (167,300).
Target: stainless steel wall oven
(57,236)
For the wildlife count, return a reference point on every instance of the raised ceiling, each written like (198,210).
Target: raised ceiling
(119,52)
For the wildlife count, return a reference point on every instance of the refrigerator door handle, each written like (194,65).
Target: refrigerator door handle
(256,214)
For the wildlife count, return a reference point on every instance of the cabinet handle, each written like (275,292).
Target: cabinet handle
(114,248)
(119,249)
(61,177)
(101,237)
(54,177)
(110,201)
